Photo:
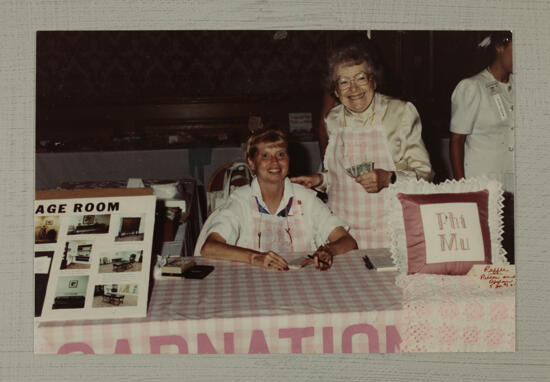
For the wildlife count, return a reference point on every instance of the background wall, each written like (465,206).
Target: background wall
(87,79)
(129,66)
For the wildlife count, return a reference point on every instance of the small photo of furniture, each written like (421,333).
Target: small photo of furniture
(76,255)
(121,261)
(70,292)
(115,295)
(88,224)
(113,298)
(46,229)
(131,228)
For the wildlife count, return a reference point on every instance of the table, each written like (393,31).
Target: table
(239,308)
(115,299)
(122,266)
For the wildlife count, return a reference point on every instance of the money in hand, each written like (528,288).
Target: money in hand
(359,169)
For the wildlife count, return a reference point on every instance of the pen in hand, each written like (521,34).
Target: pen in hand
(321,261)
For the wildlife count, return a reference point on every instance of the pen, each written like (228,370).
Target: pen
(368,263)
(321,261)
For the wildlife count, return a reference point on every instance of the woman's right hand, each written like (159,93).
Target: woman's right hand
(308,181)
(270,260)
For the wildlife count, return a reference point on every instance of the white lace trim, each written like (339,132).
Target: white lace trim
(396,224)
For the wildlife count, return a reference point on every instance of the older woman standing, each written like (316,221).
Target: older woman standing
(273,215)
(366,127)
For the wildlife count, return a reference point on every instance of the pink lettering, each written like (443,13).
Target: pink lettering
(204,346)
(75,347)
(229,343)
(393,339)
(465,244)
(369,330)
(440,221)
(257,343)
(328,339)
(156,342)
(450,243)
(296,335)
(454,221)
(122,346)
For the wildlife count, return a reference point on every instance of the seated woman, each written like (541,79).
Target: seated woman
(273,215)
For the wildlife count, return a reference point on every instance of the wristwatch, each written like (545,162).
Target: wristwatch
(393,177)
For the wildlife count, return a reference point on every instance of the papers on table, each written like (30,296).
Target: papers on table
(297,263)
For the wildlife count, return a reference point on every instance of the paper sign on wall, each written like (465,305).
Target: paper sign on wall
(101,256)
(300,122)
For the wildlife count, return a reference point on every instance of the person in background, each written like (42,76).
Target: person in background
(273,215)
(367,127)
(482,125)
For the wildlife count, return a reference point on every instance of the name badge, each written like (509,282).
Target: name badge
(500,106)
(495,92)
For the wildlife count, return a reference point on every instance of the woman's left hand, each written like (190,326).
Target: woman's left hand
(375,180)
(322,258)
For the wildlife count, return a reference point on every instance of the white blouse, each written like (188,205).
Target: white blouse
(483,109)
(235,220)
(403,128)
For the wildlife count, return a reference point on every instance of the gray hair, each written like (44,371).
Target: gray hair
(353,53)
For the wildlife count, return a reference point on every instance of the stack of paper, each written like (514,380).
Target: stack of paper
(382,263)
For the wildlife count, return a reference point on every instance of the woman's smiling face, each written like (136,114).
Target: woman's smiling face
(357,94)
(271,162)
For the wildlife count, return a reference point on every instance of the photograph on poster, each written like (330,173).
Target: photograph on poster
(46,229)
(70,292)
(130,228)
(111,295)
(88,224)
(387,156)
(121,261)
(76,255)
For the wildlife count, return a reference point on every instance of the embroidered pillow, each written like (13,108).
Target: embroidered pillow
(446,228)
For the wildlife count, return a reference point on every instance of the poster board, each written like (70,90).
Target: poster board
(98,245)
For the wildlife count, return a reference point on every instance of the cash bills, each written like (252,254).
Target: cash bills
(359,169)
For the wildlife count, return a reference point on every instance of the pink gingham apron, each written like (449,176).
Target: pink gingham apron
(280,234)
(363,211)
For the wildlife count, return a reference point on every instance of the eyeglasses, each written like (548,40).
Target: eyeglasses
(360,79)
